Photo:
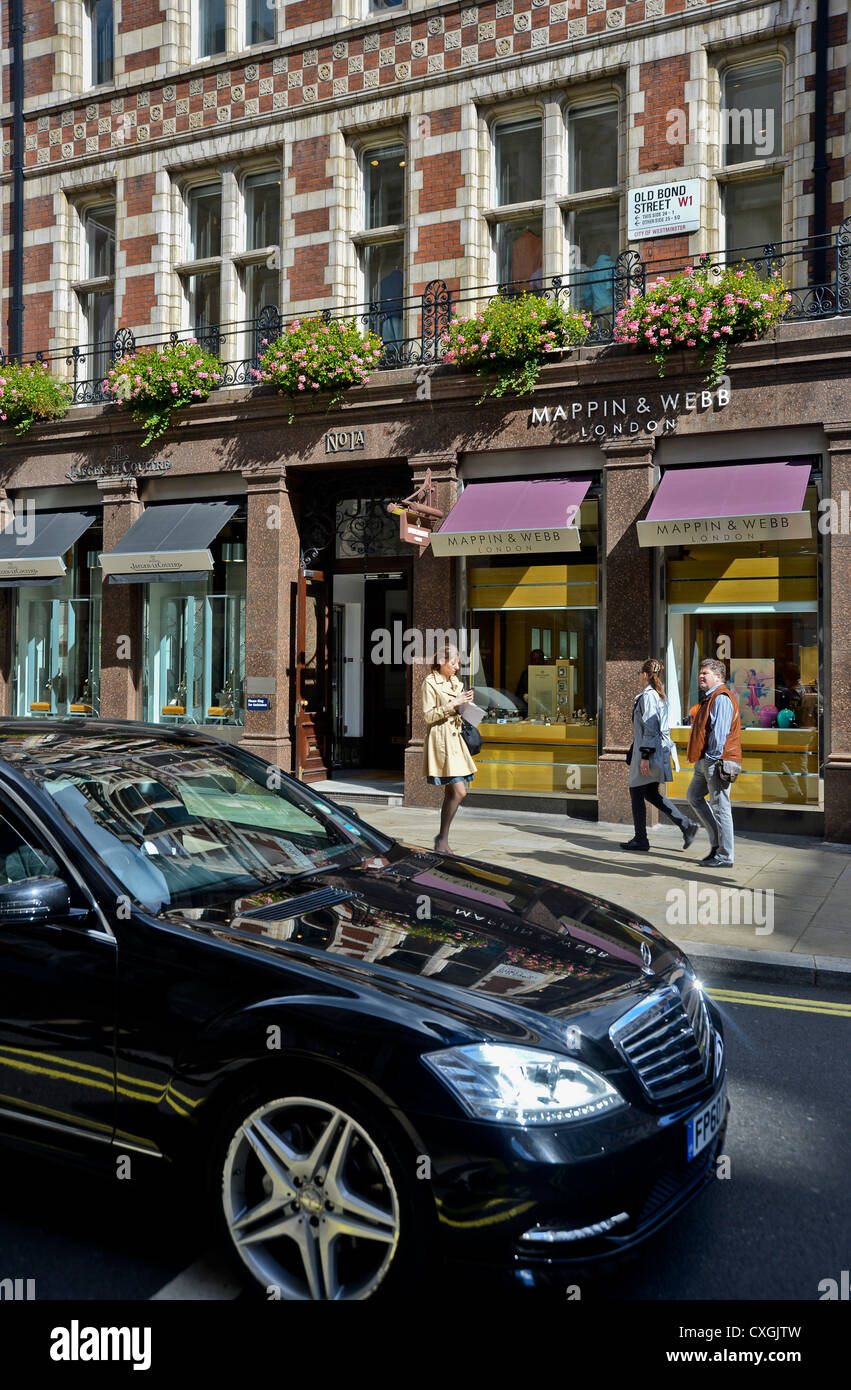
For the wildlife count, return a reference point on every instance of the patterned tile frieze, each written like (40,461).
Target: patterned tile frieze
(389,55)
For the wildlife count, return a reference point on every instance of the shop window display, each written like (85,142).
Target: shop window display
(757,608)
(57,638)
(533,665)
(194,637)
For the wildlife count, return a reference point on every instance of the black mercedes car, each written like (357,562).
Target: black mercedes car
(375,1053)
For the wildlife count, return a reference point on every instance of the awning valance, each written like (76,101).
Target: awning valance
(513,518)
(168,542)
(33,545)
(728,503)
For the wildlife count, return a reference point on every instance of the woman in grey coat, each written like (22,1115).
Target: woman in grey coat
(652,760)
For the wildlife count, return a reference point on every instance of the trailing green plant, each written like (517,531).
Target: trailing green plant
(154,382)
(28,393)
(510,338)
(702,308)
(313,355)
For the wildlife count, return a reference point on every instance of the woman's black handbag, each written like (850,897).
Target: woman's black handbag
(471,737)
(629,754)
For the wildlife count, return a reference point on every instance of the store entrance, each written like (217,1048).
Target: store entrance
(359,731)
(370,680)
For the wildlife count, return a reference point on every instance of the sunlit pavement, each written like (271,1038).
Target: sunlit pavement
(807,920)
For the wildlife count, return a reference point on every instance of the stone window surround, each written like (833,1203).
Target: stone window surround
(358,147)
(236,18)
(79,282)
(554,206)
(233,255)
(86,65)
(722,61)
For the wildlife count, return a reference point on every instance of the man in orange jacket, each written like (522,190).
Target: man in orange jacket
(715,736)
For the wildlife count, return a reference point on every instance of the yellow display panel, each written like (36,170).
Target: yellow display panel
(533,586)
(539,759)
(778,765)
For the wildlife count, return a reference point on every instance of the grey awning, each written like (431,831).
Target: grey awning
(33,545)
(168,542)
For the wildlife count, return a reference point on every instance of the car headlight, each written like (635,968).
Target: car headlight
(522,1086)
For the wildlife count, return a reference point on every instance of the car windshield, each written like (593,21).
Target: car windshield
(184,827)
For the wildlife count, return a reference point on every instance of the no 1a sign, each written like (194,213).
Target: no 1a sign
(663,209)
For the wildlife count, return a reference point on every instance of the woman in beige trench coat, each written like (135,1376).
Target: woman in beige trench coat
(446,758)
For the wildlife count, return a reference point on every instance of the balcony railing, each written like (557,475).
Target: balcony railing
(817,272)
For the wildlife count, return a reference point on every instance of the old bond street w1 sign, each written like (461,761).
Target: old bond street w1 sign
(663,209)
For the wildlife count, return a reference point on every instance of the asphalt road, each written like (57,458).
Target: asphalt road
(774,1229)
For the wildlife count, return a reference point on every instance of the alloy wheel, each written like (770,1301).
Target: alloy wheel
(310,1202)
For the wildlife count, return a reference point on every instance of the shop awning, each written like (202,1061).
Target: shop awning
(513,518)
(168,542)
(33,545)
(733,502)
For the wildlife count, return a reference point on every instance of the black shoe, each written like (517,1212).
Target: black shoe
(713,854)
(689,834)
(636,845)
(717,863)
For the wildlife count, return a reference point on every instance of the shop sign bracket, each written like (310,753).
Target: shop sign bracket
(418,513)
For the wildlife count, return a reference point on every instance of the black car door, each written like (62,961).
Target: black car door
(57,997)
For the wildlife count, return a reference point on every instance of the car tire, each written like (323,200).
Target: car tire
(317,1195)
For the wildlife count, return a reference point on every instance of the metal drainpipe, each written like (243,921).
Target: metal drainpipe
(820,146)
(16,326)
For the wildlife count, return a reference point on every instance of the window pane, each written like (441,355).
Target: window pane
(593,253)
(100,241)
(384,285)
(518,162)
(593,136)
(385,4)
(211,27)
(204,304)
(751,126)
(205,222)
(752,213)
(384,184)
(262,211)
(262,289)
(259,21)
(519,253)
(100,14)
(98,310)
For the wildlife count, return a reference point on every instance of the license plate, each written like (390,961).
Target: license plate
(702,1128)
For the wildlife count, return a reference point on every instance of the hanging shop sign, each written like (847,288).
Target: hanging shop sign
(663,209)
(418,514)
(117,464)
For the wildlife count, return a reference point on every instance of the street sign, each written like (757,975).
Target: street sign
(663,209)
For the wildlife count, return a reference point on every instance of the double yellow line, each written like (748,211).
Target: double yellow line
(780,1001)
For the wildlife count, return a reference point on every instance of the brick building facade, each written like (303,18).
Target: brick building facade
(610,98)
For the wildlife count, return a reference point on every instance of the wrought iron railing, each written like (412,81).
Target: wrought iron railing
(817,272)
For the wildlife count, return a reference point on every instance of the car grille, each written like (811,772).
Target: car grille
(666,1041)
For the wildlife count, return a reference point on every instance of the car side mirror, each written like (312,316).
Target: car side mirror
(34,900)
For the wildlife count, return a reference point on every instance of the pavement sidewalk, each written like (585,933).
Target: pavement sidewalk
(793,921)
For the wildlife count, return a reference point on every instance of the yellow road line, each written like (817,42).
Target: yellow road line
(779,1001)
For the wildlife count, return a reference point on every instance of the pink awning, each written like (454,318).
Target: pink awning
(731,502)
(516,518)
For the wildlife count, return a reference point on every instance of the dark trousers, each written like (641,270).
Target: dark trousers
(652,792)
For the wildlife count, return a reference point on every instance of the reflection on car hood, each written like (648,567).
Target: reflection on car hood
(459,923)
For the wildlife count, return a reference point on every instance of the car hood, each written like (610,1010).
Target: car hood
(442,920)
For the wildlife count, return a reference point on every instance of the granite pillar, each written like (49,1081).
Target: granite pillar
(433,607)
(837,655)
(627,614)
(271,578)
(121,655)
